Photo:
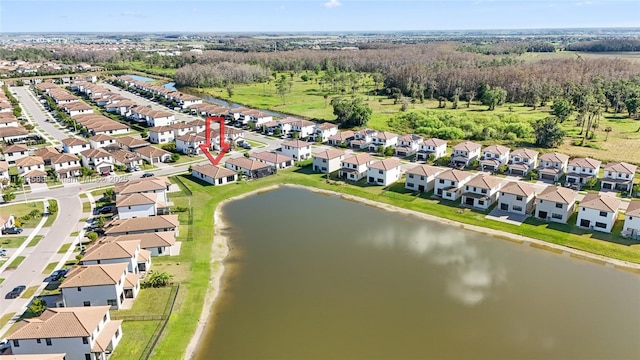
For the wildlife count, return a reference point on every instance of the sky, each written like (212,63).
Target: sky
(214,16)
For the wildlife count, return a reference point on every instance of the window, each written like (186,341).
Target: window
(86,303)
(87,356)
(603,213)
(410,176)
(601,225)
(85,340)
(410,185)
(480,202)
(129,207)
(79,288)
(441,181)
(380,172)
(39,341)
(112,302)
(104,318)
(48,341)
(556,216)
(421,177)
(484,191)
(16,343)
(519,198)
(466,188)
(559,205)
(517,208)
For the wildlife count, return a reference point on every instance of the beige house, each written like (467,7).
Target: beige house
(481,192)
(517,197)
(97,159)
(598,212)
(555,204)
(342,138)
(328,161)
(422,178)
(449,183)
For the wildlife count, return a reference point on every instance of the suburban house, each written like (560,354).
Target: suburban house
(277,160)
(598,212)
(384,172)
(75,145)
(355,167)
(465,153)
(579,170)
(189,143)
(383,139)
(362,138)
(157,243)
(342,138)
(328,161)
(77,108)
(82,333)
(521,161)
(214,175)
(618,176)
(143,225)
(121,107)
(66,166)
(324,131)
(125,252)
(257,117)
(297,149)
(13,133)
(150,185)
(253,169)
(422,178)
(631,226)
(14,152)
(99,285)
(556,204)
(552,166)
(32,169)
(126,158)
(517,197)
(138,205)
(408,145)
(493,157)
(449,183)
(6,221)
(47,154)
(481,192)
(182,128)
(97,159)
(4,172)
(102,140)
(152,154)
(303,128)
(131,143)
(161,134)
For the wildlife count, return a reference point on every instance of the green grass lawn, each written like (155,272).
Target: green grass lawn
(12,241)
(186,159)
(136,335)
(31,290)
(21,210)
(16,262)
(36,239)
(150,301)
(51,217)
(49,268)
(86,206)
(64,248)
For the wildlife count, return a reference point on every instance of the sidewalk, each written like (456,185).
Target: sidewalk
(24,245)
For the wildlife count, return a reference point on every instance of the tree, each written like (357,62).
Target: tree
(632,105)
(591,182)
(37,306)
(175,157)
(607,130)
(548,132)
(351,113)
(108,194)
(157,279)
(494,97)
(281,87)
(53,207)
(562,109)
(8,194)
(92,236)
(170,147)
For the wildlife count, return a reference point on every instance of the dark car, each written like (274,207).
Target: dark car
(58,274)
(105,210)
(17,291)
(12,230)
(146,175)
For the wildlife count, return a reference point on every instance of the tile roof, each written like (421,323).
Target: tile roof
(621,167)
(63,158)
(147,240)
(271,157)
(104,250)
(130,141)
(485,181)
(94,275)
(634,208)
(342,135)
(554,157)
(4,166)
(386,164)
(359,159)
(425,170)
(248,164)
(296,143)
(136,199)
(60,356)
(524,153)
(161,129)
(585,163)
(329,154)
(600,202)
(153,183)
(496,149)
(454,175)
(142,224)
(558,194)
(326,126)
(14,148)
(95,153)
(467,146)
(106,334)
(30,161)
(101,137)
(62,323)
(213,171)
(518,188)
(151,151)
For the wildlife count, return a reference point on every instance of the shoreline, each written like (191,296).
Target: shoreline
(220,248)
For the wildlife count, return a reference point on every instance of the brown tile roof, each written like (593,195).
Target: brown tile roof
(213,171)
(386,164)
(342,135)
(124,156)
(359,159)
(62,323)
(130,141)
(634,208)
(30,161)
(600,202)
(554,157)
(496,149)
(425,170)
(467,146)
(14,148)
(94,275)
(454,175)
(9,131)
(101,137)
(329,154)
(74,141)
(585,163)
(63,158)
(104,250)
(191,137)
(411,138)
(518,188)
(35,173)
(136,199)
(484,181)
(524,153)
(161,129)
(147,240)
(248,164)
(106,334)
(141,185)
(558,194)
(47,153)
(95,153)
(151,151)
(326,126)
(271,157)
(621,167)
(385,135)
(296,143)
(4,166)
(142,224)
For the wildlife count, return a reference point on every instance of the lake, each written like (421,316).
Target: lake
(313,276)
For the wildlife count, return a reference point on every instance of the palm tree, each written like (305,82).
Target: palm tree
(607,130)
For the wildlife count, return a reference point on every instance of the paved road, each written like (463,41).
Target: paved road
(38,114)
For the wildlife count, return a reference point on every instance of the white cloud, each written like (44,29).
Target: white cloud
(332,3)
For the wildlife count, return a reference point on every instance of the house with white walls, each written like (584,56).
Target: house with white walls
(384,172)
(579,170)
(521,161)
(449,184)
(552,166)
(408,145)
(422,178)
(493,157)
(355,167)
(465,153)
(556,204)
(213,174)
(517,197)
(328,161)
(598,212)
(482,191)
(297,149)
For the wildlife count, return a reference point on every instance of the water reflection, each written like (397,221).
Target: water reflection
(470,276)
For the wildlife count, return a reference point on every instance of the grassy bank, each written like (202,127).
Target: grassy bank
(192,266)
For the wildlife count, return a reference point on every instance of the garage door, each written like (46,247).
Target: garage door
(104,169)
(606,186)
(548,177)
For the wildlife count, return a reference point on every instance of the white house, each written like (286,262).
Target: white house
(143,225)
(257,117)
(383,139)
(190,143)
(449,183)
(598,212)
(150,185)
(75,145)
(482,191)
(97,159)
(126,158)
(137,205)
(552,166)
(362,138)
(253,169)
(342,138)
(277,160)
(408,145)
(14,152)
(297,149)
(66,165)
(77,108)
(32,169)
(99,285)
(493,157)
(517,197)
(618,176)
(152,154)
(556,204)
(214,175)
(157,243)
(4,172)
(465,153)
(521,161)
(422,178)
(355,167)
(160,118)
(161,134)
(324,131)
(102,140)
(384,172)
(328,161)
(126,252)
(579,170)
(290,125)
(82,333)
(631,226)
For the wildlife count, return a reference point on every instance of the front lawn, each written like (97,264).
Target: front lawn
(16,262)
(12,241)
(22,213)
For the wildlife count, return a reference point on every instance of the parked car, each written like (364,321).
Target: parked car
(146,175)
(58,274)
(4,345)
(3,252)
(17,291)
(104,210)
(11,230)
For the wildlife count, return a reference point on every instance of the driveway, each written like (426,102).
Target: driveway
(506,217)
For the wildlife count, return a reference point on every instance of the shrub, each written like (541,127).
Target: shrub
(93,236)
